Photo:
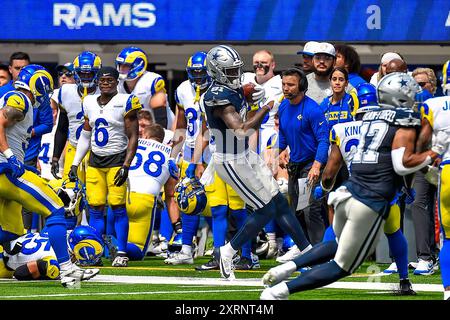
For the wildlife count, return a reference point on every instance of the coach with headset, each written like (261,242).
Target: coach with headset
(303,128)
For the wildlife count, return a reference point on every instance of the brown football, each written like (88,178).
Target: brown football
(248,89)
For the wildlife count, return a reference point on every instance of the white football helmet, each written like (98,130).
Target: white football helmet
(225,66)
(397,90)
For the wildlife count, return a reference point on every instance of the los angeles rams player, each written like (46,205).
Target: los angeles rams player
(436,122)
(149,87)
(385,153)
(31,256)
(149,171)
(242,169)
(111,130)
(69,100)
(20,187)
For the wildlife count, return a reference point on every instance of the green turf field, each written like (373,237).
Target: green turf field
(151,279)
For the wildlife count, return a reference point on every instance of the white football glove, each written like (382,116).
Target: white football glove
(440,142)
(259,94)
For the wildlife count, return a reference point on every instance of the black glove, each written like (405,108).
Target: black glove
(55,169)
(73,175)
(121,176)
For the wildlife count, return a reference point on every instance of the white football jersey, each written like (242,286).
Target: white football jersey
(149,169)
(273,91)
(346,137)
(437,112)
(70,100)
(45,155)
(148,84)
(19,135)
(107,122)
(35,246)
(185,98)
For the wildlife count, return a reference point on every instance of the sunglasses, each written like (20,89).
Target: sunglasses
(422,84)
(66,73)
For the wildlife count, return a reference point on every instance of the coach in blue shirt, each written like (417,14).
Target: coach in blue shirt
(303,128)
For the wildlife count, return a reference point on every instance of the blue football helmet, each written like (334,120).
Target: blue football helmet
(38,81)
(136,60)
(86,245)
(446,78)
(367,95)
(197,71)
(86,66)
(190,196)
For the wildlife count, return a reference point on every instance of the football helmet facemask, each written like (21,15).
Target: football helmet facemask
(197,71)
(190,196)
(85,245)
(86,66)
(131,63)
(225,66)
(397,90)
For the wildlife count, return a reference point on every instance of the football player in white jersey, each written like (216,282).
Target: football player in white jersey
(20,187)
(111,131)
(436,123)
(149,171)
(70,120)
(31,256)
(149,87)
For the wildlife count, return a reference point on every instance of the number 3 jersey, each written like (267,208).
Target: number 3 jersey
(107,122)
(373,180)
(149,170)
(70,101)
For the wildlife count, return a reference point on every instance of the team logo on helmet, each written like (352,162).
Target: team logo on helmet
(197,71)
(190,196)
(38,81)
(397,90)
(85,244)
(135,61)
(225,66)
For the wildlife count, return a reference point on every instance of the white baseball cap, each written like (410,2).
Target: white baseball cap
(310,48)
(325,47)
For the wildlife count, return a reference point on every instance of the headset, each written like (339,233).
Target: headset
(303,82)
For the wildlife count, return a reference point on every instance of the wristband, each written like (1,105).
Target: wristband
(8,153)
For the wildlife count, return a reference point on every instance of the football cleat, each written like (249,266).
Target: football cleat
(278,292)
(424,268)
(278,274)
(179,258)
(391,269)
(212,264)
(74,275)
(120,261)
(292,253)
(405,288)
(226,266)
(245,263)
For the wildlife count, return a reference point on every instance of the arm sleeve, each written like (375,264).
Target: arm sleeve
(82,147)
(61,133)
(320,129)
(45,120)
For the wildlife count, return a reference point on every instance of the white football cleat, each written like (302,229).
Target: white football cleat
(179,258)
(278,292)
(120,261)
(74,275)
(226,266)
(292,253)
(278,274)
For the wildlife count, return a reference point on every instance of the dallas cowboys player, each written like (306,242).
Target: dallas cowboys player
(226,115)
(385,152)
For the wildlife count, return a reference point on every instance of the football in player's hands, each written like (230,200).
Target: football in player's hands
(249,89)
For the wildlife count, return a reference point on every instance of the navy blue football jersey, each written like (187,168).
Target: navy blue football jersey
(373,180)
(219,96)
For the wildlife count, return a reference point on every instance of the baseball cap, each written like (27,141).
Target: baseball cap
(309,49)
(325,47)
(389,56)
(68,66)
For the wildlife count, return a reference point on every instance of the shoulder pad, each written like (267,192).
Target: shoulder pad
(218,95)
(407,118)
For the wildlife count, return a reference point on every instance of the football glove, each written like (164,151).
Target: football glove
(190,171)
(173,168)
(73,173)
(16,167)
(121,176)
(410,195)
(432,175)
(318,192)
(258,95)
(55,169)
(440,142)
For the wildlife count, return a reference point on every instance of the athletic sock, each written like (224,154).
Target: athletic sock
(399,249)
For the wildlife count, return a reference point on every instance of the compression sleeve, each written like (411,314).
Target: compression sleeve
(397,162)
(82,147)
(61,133)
